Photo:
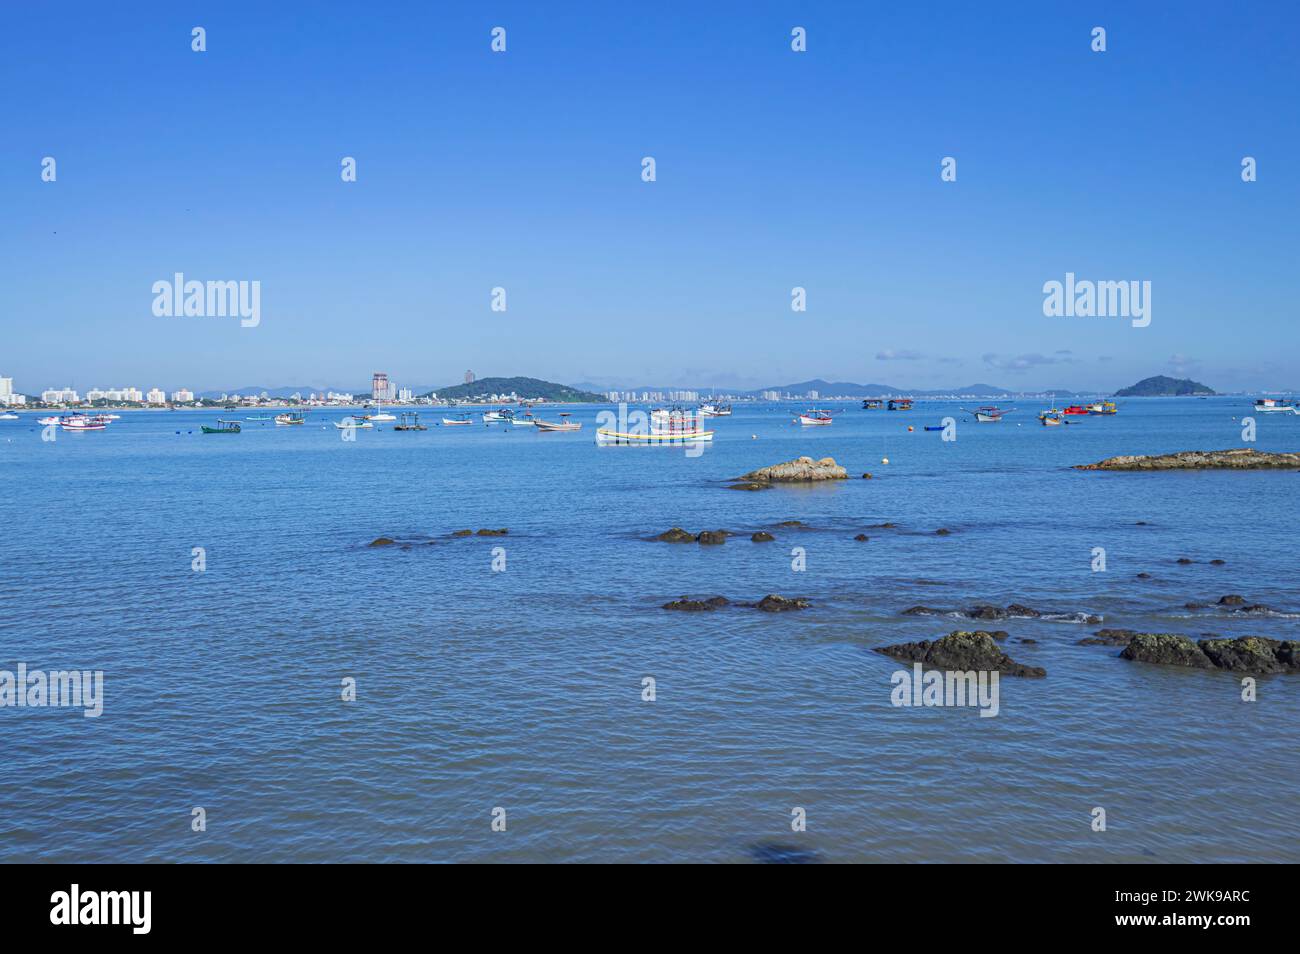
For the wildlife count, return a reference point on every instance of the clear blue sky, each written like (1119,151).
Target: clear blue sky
(775,169)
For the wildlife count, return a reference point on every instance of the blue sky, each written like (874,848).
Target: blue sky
(775,169)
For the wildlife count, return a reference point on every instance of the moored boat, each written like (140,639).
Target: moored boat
(989,414)
(462,421)
(501,416)
(872,404)
(899,404)
(1075,409)
(290,418)
(1103,407)
(715,410)
(1276,406)
(80,422)
(352,423)
(223,427)
(814,417)
(564,424)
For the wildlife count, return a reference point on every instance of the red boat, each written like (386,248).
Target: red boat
(1075,409)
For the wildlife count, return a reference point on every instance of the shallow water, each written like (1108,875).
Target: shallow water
(522,688)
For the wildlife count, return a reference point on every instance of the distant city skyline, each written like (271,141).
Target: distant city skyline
(499,219)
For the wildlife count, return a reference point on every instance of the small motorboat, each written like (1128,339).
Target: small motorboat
(352,423)
(8,417)
(1274,406)
(47,420)
(501,416)
(715,410)
(562,425)
(900,404)
(462,421)
(934,427)
(223,427)
(291,418)
(872,404)
(1103,407)
(1051,418)
(526,421)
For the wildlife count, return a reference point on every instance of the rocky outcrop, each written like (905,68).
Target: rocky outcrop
(986,612)
(1109,637)
(962,651)
(1232,599)
(676,535)
(462,533)
(688,605)
(862,538)
(1237,458)
(1166,649)
(493,533)
(748,485)
(772,603)
(711,537)
(1255,654)
(799,470)
(762,536)
(381,542)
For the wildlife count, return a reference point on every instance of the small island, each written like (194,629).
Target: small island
(1161,386)
(1236,458)
(525,388)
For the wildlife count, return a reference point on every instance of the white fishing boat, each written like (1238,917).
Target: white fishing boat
(8,417)
(815,418)
(523,421)
(47,420)
(379,414)
(989,414)
(291,418)
(80,422)
(605,435)
(462,421)
(564,424)
(352,422)
(1275,406)
(500,416)
(715,410)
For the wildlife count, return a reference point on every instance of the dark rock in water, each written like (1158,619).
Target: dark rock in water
(942,532)
(1027,641)
(688,605)
(1016,609)
(1232,599)
(999,634)
(1236,458)
(790,523)
(1250,654)
(1185,560)
(961,651)
(862,538)
(1166,649)
(1217,562)
(1255,609)
(1109,637)
(776,853)
(1196,606)
(675,535)
(885,526)
(866,476)
(772,603)
(922,611)
(712,536)
(1144,576)
(748,485)
(462,533)
(1140,523)
(382,542)
(985,612)
(493,533)
(1092,620)
(762,537)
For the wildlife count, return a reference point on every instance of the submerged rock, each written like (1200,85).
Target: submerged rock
(711,536)
(791,523)
(1232,599)
(676,535)
(1237,458)
(762,536)
(862,538)
(800,469)
(1184,561)
(381,542)
(942,532)
(748,485)
(1217,562)
(686,604)
(462,533)
(493,533)
(1166,649)
(1109,637)
(772,603)
(961,651)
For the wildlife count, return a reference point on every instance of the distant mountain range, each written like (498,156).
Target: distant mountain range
(1161,386)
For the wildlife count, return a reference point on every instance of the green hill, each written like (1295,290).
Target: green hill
(1161,386)
(524,387)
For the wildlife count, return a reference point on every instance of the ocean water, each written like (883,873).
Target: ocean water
(521,689)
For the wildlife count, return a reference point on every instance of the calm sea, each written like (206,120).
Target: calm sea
(521,688)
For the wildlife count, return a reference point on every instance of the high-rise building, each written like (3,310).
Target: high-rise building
(156,396)
(59,396)
(379,386)
(182,396)
(469,377)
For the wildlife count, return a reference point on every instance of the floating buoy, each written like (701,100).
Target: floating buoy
(753,437)
(909,428)
(884,460)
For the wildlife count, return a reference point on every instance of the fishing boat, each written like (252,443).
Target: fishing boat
(80,422)
(290,418)
(410,422)
(872,404)
(526,421)
(1051,418)
(814,417)
(52,419)
(1103,407)
(1075,409)
(260,417)
(989,414)
(1274,406)
(376,413)
(715,410)
(900,404)
(501,416)
(563,425)
(353,423)
(223,427)
(462,421)
(8,417)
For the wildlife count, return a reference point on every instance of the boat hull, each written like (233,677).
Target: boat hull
(607,436)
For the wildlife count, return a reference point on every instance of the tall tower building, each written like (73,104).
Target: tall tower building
(379,387)
(469,377)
